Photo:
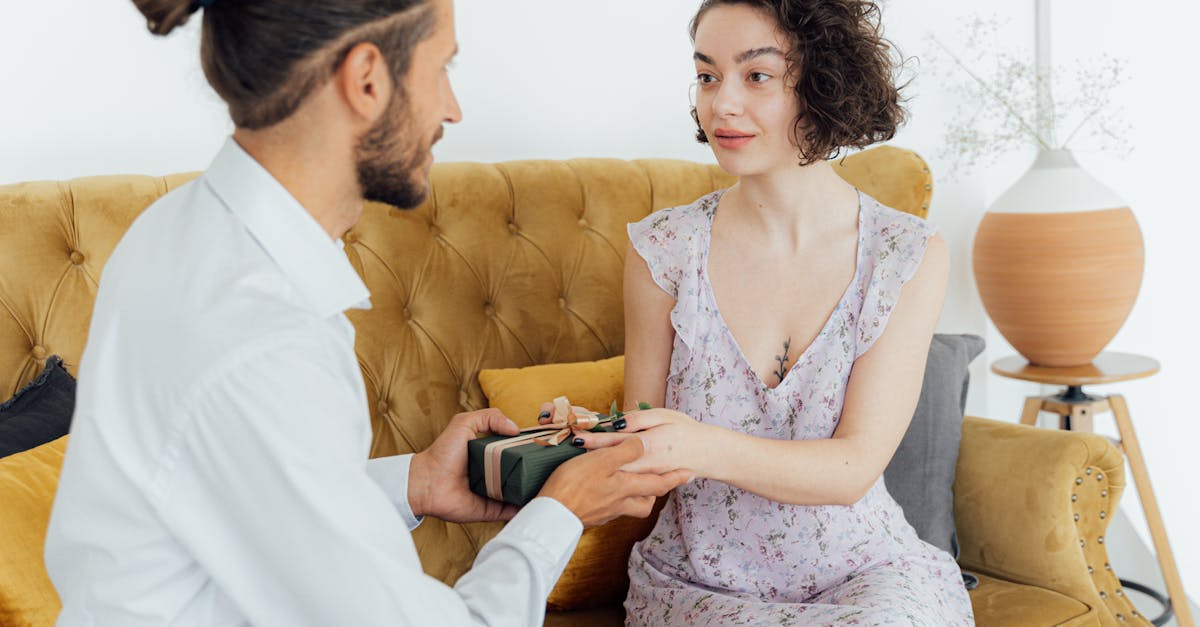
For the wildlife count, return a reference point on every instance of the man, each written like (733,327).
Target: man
(217,472)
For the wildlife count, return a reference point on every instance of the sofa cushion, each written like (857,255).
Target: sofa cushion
(596,575)
(1000,603)
(520,392)
(40,412)
(28,481)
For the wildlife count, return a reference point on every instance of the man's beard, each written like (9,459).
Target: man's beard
(391,169)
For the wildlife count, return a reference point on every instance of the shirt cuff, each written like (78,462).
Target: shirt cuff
(551,525)
(391,475)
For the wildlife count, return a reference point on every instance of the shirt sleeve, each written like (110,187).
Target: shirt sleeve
(391,475)
(268,488)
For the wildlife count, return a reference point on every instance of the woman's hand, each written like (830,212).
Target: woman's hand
(672,440)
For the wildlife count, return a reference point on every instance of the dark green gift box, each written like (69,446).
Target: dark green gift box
(523,469)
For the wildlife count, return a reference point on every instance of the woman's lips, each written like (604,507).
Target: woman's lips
(732,139)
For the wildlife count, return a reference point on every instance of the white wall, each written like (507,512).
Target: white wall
(88,91)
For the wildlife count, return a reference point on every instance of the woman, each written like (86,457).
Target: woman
(784,324)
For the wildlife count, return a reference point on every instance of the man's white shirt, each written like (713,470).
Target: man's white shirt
(217,471)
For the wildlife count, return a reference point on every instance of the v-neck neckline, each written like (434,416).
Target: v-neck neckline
(837,308)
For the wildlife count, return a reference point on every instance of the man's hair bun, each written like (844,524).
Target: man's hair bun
(164,16)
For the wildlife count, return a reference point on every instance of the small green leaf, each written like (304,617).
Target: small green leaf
(644,405)
(613,411)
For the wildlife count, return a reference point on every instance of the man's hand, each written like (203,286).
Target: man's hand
(595,489)
(437,476)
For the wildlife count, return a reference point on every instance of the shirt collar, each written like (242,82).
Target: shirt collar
(313,262)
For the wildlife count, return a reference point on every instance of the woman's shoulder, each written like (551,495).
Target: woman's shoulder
(888,230)
(671,240)
(691,216)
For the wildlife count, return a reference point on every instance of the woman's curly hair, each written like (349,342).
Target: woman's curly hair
(843,69)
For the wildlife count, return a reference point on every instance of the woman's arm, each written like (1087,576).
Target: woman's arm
(881,395)
(649,336)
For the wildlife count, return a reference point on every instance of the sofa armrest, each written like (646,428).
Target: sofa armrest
(1032,505)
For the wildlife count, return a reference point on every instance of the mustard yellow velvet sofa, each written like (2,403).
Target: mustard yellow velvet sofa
(520,263)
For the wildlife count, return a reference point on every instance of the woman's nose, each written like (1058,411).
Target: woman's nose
(728,100)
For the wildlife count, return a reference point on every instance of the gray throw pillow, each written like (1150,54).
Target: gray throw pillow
(921,474)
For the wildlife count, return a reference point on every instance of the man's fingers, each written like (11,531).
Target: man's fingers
(679,477)
(651,485)
(490,420)
(639,506)
(623,452)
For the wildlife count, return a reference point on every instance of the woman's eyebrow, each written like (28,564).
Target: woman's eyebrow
(758,52)
(743,56)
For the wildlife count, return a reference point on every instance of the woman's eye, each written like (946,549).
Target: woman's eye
(759,77)
(705,79)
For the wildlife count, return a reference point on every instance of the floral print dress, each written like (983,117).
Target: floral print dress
(720,555)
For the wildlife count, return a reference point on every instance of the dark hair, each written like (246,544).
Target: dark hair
(264,57)
(843,70)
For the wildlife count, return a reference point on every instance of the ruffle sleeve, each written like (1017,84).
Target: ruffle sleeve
(672,242)
(897,245)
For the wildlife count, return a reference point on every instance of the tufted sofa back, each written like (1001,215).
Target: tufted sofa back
(505,265)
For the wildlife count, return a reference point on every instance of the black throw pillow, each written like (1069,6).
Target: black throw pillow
(40,412)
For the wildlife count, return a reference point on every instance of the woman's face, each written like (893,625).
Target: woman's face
(744,99)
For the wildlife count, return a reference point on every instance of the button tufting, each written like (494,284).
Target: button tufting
(39,352)
(512,228)
(407,314)
(349,237)
(583,223)
(77,257)
(382,407)
(562,303)
(489,311)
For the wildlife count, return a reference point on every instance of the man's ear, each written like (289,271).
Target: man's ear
(364,81)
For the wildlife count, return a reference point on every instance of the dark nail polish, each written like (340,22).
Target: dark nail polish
(577,442)
(619,424)
(543,415)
